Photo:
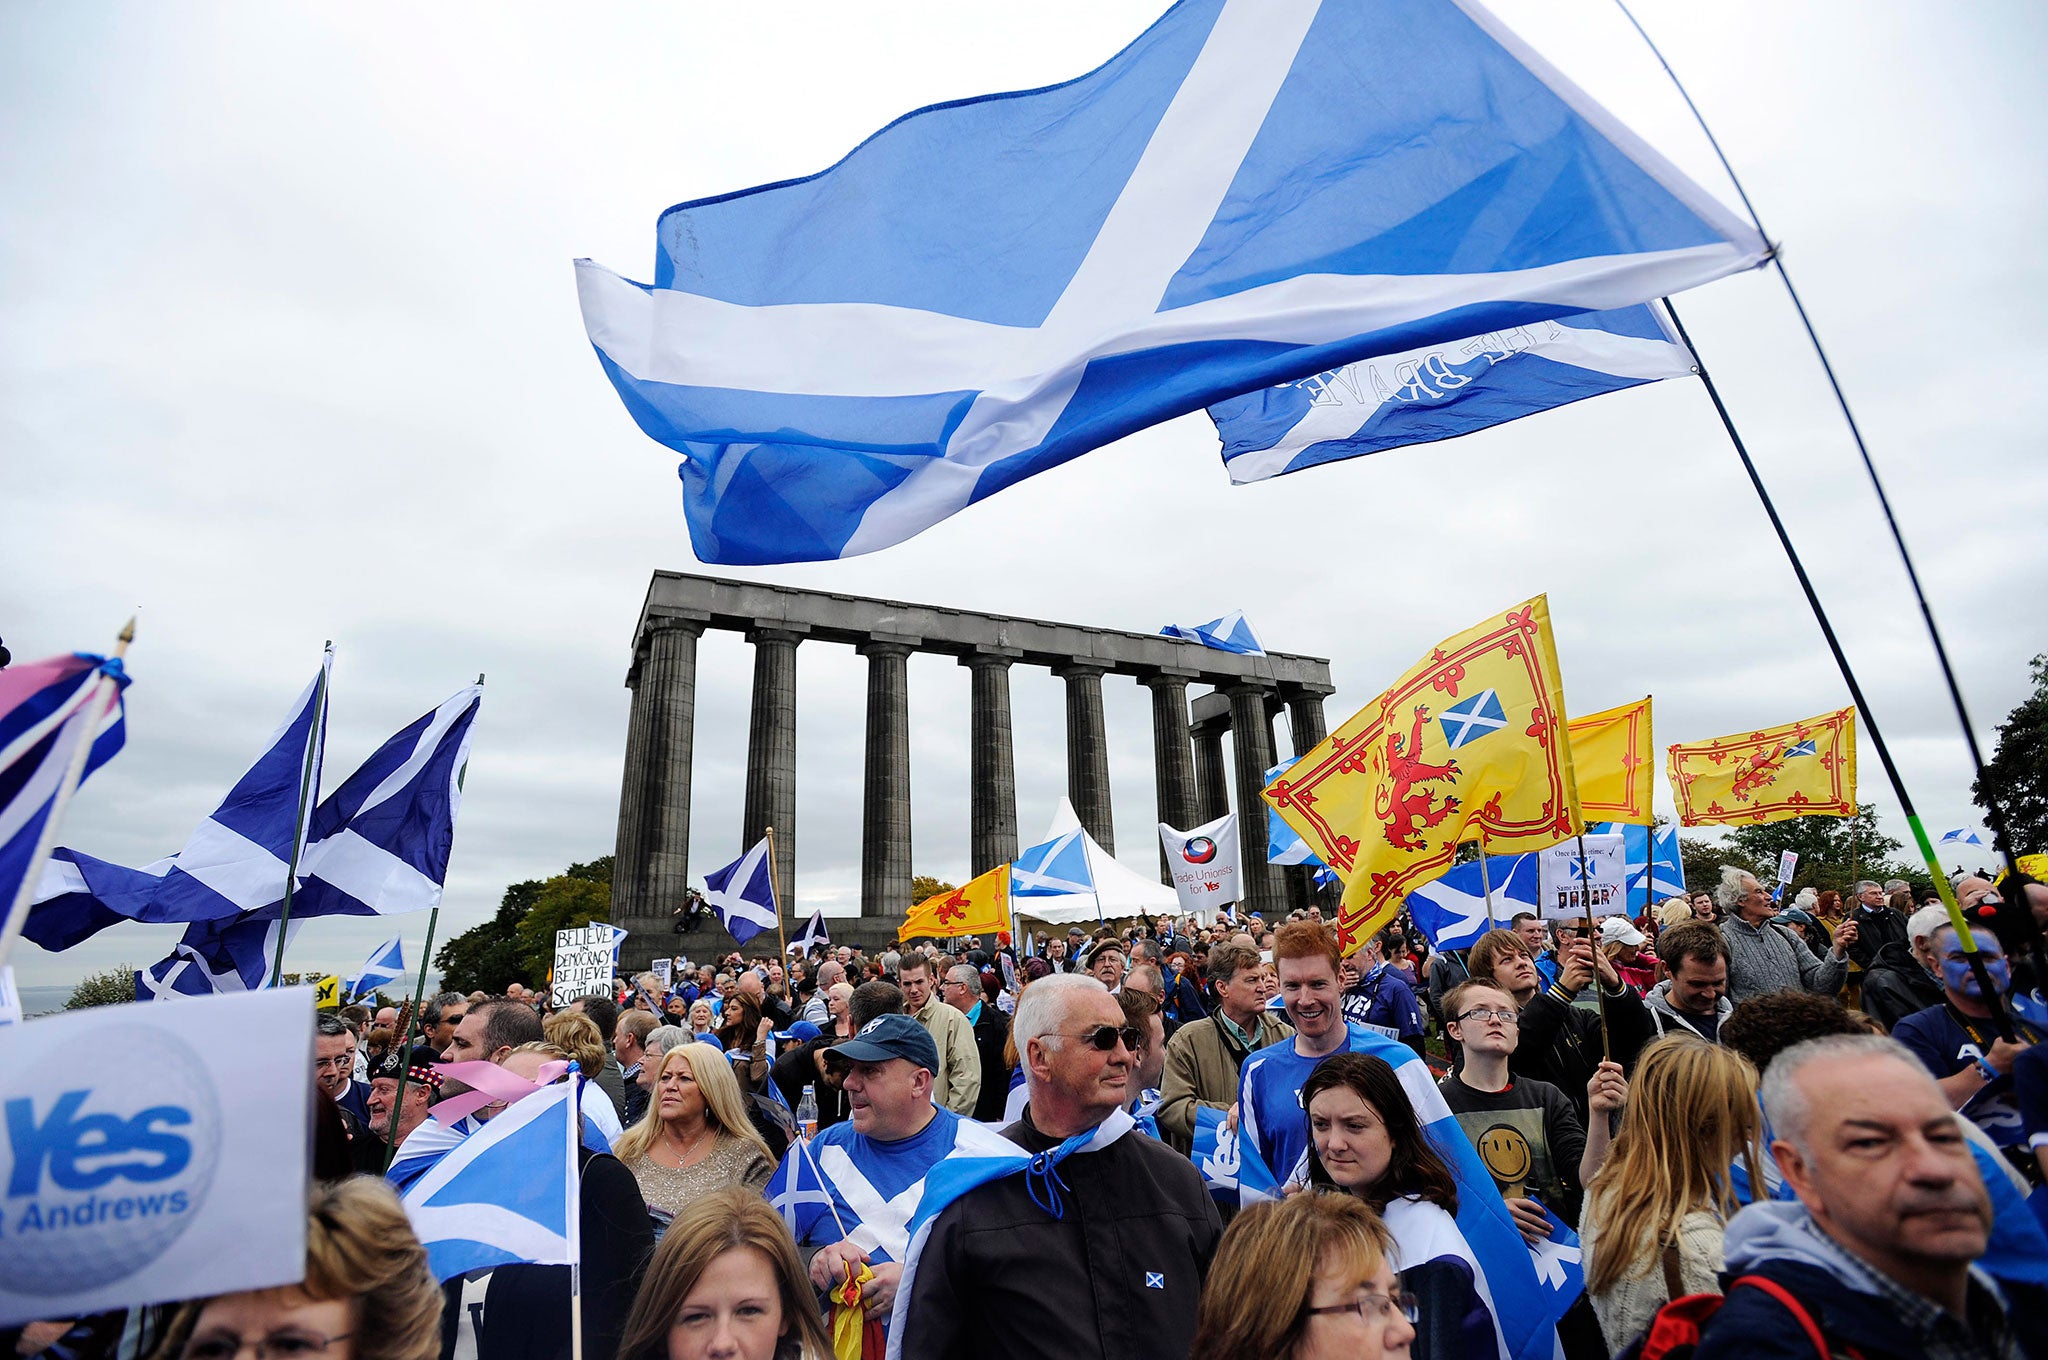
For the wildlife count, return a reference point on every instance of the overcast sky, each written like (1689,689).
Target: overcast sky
(290,350)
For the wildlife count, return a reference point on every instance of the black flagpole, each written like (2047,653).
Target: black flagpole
(1827,629)
(1992,812)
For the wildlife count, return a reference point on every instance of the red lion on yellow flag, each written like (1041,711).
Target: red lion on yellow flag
(1483,754)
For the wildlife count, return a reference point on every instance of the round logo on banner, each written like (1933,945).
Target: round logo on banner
(1200,850)
(109,1164)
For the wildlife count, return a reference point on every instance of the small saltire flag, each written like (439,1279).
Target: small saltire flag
(1802,769)
(1284,844)
(233,955)
(385,964)
(1204,863)
(1666,870)
(742,894)
(1232,1169)
(1615,763)
(1231,633)
(506,1194)
(814,935)
(1054,868)
(1560,1267)
(49,708)
(1387,797)
(1443,390)
(1252,192)
(980,906)
(1963,836)
(1451,911)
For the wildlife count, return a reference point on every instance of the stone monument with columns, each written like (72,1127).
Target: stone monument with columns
(652,870)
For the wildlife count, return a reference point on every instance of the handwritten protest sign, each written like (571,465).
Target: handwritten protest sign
(583,962)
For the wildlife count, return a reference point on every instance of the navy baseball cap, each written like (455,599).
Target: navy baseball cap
(891,1036)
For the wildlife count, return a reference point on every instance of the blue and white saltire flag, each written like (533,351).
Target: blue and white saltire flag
(742,895)
(814,936)
(1054,868)
(377,846)
(1440,391)
(1231,633)
(506,1194)
(236,861)
(1451,909)
(831,1190)
(1252,192)
(385,964)
(1666,869)
(1560,1266)
(48,709)
(1232,1169)
(213,957)
(981,1155)
(1470,719)
(1964,835)
(425,1146)
(380,843)
(1284,844)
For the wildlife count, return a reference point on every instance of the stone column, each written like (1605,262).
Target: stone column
(771,752)
(992,763)
(885,810)
(1088,751)
(1212,783)
(1252,743)
(652,865)
(1305,718)
(1173,760)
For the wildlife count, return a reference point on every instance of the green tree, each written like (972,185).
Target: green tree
(488,956)
(2016,777)
(564,903)
(109,987)
(923,886)
(1703,860)
(1833,851)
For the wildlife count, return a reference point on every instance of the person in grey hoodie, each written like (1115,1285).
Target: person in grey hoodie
(1877,1257)
(1766,957)
(1695,997)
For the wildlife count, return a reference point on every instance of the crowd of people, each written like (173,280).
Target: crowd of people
(1775,1131)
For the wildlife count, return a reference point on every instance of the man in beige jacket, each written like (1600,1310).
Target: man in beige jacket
(1203,1057)
(957,1083)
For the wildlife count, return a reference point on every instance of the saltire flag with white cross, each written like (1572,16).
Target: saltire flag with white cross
(48,709)
(814,936)
(1231,633)
(1250,193)
(1666,869)
(1444,390)
(742,895)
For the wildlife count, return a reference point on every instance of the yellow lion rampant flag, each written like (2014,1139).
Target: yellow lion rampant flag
(1470,742)
(1614,763)
(980,906)
(1803,769)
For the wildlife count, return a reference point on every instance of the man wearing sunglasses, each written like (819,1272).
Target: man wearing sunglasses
(1101,1248)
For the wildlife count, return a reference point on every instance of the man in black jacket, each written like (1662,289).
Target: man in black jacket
(1877,925)
(1900,979)
(1101,1256)
(963,991)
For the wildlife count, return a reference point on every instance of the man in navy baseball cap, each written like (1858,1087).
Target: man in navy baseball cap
(886,1037)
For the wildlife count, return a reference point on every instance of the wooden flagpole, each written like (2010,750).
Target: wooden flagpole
(775,896)
(1486,884)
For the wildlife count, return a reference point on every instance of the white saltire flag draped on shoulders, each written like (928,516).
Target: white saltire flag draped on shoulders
(1250,193)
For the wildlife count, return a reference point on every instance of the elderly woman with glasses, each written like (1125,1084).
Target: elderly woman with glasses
(1309,1278)
(367,1295)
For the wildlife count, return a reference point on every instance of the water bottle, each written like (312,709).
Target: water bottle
(807,1112)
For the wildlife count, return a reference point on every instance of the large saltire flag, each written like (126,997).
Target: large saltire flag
(1652,857)
(1803,769)
(1469,742)
(1444,390)
(1252,192)
(980,906)
(1615,763)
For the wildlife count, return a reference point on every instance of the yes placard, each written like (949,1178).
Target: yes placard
(1569,889)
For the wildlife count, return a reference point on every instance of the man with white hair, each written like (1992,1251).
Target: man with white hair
(1876,1258)
(1877,925)
(1101,1252)
(1764,956)
(1903,978)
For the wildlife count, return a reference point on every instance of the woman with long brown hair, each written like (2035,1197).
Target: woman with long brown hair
(1309,1278)
(1365,1141)
(726,1281)
(1655,1213)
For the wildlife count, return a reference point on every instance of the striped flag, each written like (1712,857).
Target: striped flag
(47,709)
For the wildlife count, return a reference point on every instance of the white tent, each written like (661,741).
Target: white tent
(1119,891)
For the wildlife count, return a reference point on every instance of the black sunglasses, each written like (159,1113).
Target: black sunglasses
(1105,1037)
